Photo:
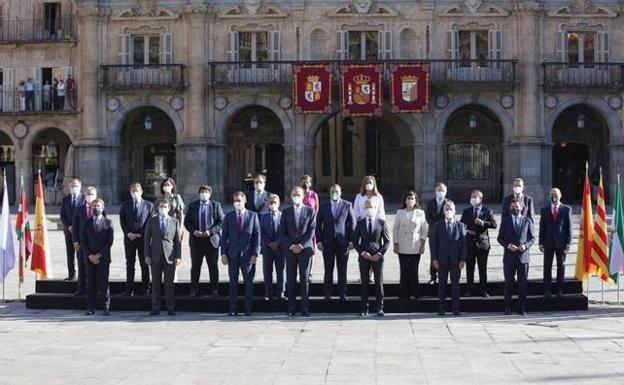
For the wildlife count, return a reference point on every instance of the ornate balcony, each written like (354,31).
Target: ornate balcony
(143,77)
(24,31)
(562,76)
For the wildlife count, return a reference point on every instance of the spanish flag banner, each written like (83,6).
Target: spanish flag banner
(586,233)
(599,261)
(40,262)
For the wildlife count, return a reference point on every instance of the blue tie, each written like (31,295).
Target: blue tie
(163,228)
(202,219)
(136,209)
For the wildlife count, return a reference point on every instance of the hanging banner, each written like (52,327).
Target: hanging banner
(361,90)
(410,87)
(312,88)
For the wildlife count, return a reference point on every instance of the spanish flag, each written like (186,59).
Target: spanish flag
(586,232)
(40,262)
(599,261)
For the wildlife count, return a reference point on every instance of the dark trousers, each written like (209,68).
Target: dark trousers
(513,267)
(158,270)
(235,266)
(448,268)
(377,268)
(272,259)
(335,255)
(71,254)
(477,257)
(549,254)
(200,249)
(98,294)
(297,263)
(133,248)
(408,280)
(30,100)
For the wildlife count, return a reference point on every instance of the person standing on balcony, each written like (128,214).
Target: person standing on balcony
(30,95)
(70,85)
(61,91)
(47,96)
(21,93)
(55,94)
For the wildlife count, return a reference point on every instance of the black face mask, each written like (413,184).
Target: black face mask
(515,211)
(97,212)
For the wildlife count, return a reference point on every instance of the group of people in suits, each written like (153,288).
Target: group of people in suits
(287,240)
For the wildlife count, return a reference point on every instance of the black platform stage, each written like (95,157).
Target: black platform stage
(55,294)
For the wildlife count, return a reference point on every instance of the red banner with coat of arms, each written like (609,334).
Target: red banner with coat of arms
(410,87)
(361,90)
(312,88)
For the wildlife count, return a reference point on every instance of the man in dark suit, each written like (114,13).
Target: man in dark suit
(82,215)
(69,204)
(516,237)
(448,252)
(203,221)
(478,219)
(240,247)
(371,241)
(133,216)
(259,197)
(97,237)
(271,254)
(163,253)
(555,237)
(434,212)
(296,232)
(526,202)
(335,223)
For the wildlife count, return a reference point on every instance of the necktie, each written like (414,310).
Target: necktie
(163,228)
(476,213)
(74,201)
(202,217)
(335,210)
(448,228)
(555,213)
(239,221)
(258,202)
(370,226)
(136,208)
(89,212)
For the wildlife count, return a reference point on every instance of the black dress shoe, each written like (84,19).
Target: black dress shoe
(171,312)
(441,313)
(328,298)
(507,311)
(380,313)
(522,312)
(559,294)
(467,293)
(70,278)
(305,314)
(127,293)
(155,312)
(215,293)
(193,293)
(106,312)
(89,312)
(364,313)
(547,294)
(343,298)
(79,293)
(291,313)
(456,313)
(232,314)
(247,313)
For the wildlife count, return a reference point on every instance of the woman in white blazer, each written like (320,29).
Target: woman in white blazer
(409,235)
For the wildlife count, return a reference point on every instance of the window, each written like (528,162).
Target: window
(318,41)
(473,45)
(363,45)
(253,47)
(51,18)
(145,49)
(581,47)
(468,161)
(408,43)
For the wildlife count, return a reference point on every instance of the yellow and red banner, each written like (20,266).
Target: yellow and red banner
(410,88)
(312,88)
(586,233)
(361,90)
(599,260)
(40,261)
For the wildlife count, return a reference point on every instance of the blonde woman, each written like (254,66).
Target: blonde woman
(369,190)
(409,235)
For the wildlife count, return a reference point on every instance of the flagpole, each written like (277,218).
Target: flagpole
(4,246)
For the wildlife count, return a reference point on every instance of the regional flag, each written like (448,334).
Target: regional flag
(22,229)
(40,262)
(586,232)
(7,251)
(616,251)
(599,261)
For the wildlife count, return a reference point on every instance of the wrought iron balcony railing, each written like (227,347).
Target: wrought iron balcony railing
(499,73)
(46,100)
(22,31)
(560,75)
(144,76)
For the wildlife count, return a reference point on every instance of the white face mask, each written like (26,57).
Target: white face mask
(369,186)
(273,207)
(90,198)
(296,199)
(440,194)
(475,202)
(163,212)
(135,195)
(517,190)
(168,189)
(204,196)
(239,206)
(370,212)
(75,190)
(259,186)
(449,214)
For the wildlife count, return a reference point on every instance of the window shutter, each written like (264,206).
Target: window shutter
(384,45)
(342,45)
(453,44)
(166,51)
(275,46)
(495,46)
(561,46)
(232,46)
(603,47)
(124,48)
(36,77)
(9,89)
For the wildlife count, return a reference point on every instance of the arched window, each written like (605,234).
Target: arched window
(318,44)
(407,43)
(468,161)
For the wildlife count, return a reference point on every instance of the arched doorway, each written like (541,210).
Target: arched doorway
(148,139)
(473,153)
(7,163)
(580,134)
(255,142)
(348,149)
(53,155)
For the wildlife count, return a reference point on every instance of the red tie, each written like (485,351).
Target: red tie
(239,221)
(555,213)
(89,212)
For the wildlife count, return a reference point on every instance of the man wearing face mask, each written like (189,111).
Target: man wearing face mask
(133,216)
(97,236)
(69,205)
(83,213)
(258,198)
(478,219)
(516,237)
(555,237)
(203,221)
(526,202)
(448,253)
(163,252)
(272,256)
(434,212)
(371,241)
(240,247)
(335,223)
(296,232)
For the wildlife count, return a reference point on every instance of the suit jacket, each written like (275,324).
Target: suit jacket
(131,223)
(432,214)
(98,241)
(524,236)
(251,199)
(67,211)
(527,209)
(410,234)
(478,235)
(158,247)
(79,221)
(241,244)
(341,228)
(555,234)
(214,224)
(445,248)
(291,234)
(376,242)
(268,232)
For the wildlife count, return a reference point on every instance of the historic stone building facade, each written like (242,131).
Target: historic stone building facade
(202,91)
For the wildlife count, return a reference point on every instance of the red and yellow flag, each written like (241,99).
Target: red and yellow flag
(22,229)
(586,232)
(599,260)
(40,262)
